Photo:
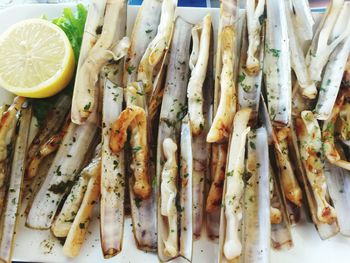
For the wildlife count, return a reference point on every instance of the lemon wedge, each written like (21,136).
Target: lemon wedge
(36,59)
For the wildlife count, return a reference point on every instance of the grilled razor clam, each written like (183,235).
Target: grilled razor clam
(230,246)
(222,122)
(257,226)
(45,149)
(112,175)
(289,183)
(218,169)
(68,161)
(249,86)
(65,218)
(328,134)
(199,70)
(12,207)
(144,30)
(135,118)
(255,16)
(338,182)
(201,151)
(52,124)
(332,78)
(77,231)
(186,191)
(158,46)
(85,93)
(7,126)
(277,69)
(168,238)
(312,157)
(330,32)
(93,25)
(298,63)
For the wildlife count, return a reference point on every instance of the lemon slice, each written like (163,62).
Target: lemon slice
(36,59)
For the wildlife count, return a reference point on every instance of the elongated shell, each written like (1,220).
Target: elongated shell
(144,30)
(256,220)
(11,211)
(186,191)
(277,68)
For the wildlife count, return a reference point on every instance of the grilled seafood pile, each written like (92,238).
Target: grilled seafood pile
(236,152)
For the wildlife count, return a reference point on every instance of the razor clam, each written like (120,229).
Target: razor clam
(144,30)
(157,48)
(328,135)
(255,17)
(227,22)
(198,64)
(45,149)
(67,163)
(200,82)
(112,176)
(173,107)
(256,220)
(85,93)
(298,63)
(221,126)
(289,183)
(333,74)
(324,230)
(112,186)
(230,247)
(249,86)
(281,236)
(93,25)
(277,68)
(11,209)
(167,212)
(79,227)
(186,192)
(65,218)
(7,127)
(327,37)
(309,134)
(338,182)
(52,125)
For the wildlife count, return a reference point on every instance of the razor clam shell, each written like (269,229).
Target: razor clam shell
(338,182)
(277,69)
(11,210)
(144,30)
(94,22)
(249,87)
(281,236)
(75,143)
(201,150)
(186,192)
(112,175)
(332,78)
(174,100)
(52,125)
(325,231)
(256,219)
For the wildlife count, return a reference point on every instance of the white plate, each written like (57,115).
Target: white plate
(41,246)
